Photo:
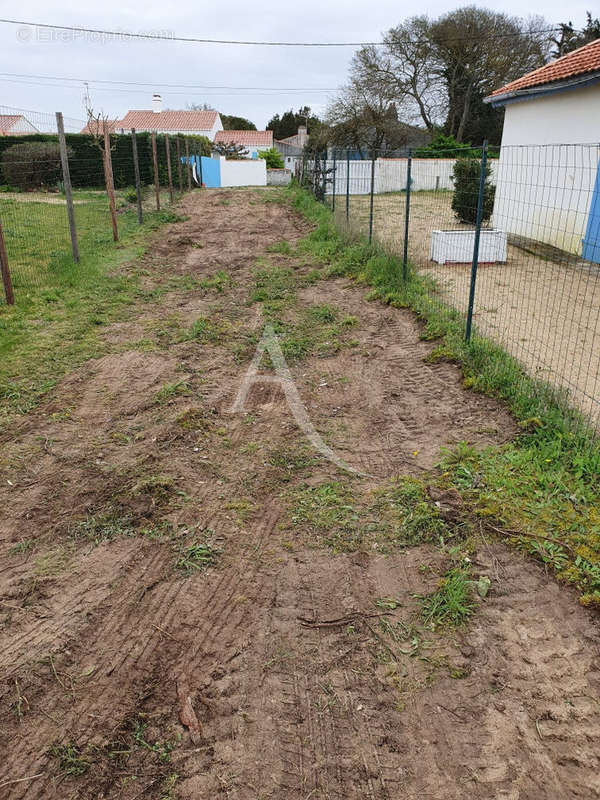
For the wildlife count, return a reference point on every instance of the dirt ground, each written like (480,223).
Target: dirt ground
(544,313)
(125,672)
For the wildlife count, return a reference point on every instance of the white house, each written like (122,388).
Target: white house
(198,123)
(15,125)
(252,141)
(548,177)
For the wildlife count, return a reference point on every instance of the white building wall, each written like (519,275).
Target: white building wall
(243,172)
(548,166)
(217,126)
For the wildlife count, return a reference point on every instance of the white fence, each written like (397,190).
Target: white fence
(427,174)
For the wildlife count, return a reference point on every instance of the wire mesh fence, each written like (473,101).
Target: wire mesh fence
(63,195)
(509,240)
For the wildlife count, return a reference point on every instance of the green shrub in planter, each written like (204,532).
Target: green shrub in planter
(466,175)
(32,165)
(273,158)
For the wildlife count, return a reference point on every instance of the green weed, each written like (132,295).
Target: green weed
(452,603)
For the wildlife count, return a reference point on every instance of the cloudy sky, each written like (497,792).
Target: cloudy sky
(274,78)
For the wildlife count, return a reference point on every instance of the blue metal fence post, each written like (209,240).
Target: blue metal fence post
(407,216)
(480,199)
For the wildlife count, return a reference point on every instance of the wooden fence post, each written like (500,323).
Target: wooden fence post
(169,175)
(8,289)
(110,186)
(188,165)
(64,160)
(136,171)
(155,164)
(179,164)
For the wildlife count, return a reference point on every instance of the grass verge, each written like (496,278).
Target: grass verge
(542,488)
(61,307)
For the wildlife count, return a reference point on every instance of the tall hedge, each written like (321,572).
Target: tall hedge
(85,157)
(466,175)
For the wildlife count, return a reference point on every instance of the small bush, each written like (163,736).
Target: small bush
(131,195)
(32,165)
(466,175)
(272,157)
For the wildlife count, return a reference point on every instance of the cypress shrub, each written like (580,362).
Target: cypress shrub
(466,175)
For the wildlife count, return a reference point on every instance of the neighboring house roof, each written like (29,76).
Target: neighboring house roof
(8,123)
(580,66)
(168,120)
(97,126)
(246,138)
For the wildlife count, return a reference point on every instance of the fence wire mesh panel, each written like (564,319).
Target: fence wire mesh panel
(33,197)
(516,232)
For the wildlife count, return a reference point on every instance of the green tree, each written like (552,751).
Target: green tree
(233,123)
(288,123)
(272,157)
(479,50)
(569,39)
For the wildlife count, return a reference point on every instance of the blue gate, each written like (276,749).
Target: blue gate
(207,171)
(591,242)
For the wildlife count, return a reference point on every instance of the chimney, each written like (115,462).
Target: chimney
(302,135)
(156,103)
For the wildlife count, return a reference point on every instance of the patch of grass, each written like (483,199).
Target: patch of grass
(171,390)
(395,515)
(159,487)
(62,307)
(197,556)
(220,282)
(452,602)
(21,548)
(282,247)
(205,330)
(273,283)
(548,478)
(71,759)
(193,419)
(103,527)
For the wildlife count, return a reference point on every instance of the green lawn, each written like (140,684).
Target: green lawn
(60,307)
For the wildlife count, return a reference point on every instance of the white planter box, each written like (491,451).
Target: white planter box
(457,246)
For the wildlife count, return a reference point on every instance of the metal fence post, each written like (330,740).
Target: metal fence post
(136,172)
(407,216)
(334,175)
(64,160)
(179,164)
(169,173)
(324,175)
(6,280)
(480,199)
(188,165)
(347,186)
(371,199)
(155,165)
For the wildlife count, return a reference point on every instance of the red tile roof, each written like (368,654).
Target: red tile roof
(97,127)
(246,138)
(7,121)
(580,62)
(168,120)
